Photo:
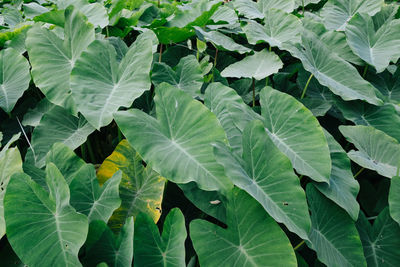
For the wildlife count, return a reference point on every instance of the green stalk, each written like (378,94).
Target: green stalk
(299,245)
(84,152)
(254,92)
(215,61)
(365,71)
(305,87)
(90,150)
(359,172)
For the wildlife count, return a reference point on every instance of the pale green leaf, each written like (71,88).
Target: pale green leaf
(394,198)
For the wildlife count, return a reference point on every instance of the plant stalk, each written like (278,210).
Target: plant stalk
(305,87)
(359,172)
(299,245)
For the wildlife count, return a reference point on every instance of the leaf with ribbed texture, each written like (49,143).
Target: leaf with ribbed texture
(151,249)
(265,5)
(267,175)
(187,75)
(141,189)
(333,233)
(33,116)
(286,120)
(337,13)
(43,229)
(279,27)
(10,163)
(376,150)
(259,10)
(51,70)
(384,118)
(376,43)
(220,40)
(58,126)
(100,85)
(381,240)
(181,136)
(343,188)
(252,238)
(103,246)
(231,111)
(14,78)
(394,198)
(332,71)
(258,66)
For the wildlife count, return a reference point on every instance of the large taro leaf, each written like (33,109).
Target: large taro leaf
(252,238)
(248,8)
(381,240)
(187,75)
(181,138)
(389,85)
(333,233)
(337,13)
(221,41)
(343,188)
(384,118)
(286,5)
(375,41)
(376,150)
(267,175)
(231,111)
(10,163)
(279,28)
(258,66)
(141,189)
(100,85)
(103,246)
(259,10)
(51,69)
(43,229)
(332,71)
(14,78)
(394,198)
(33,116)
(297,133)
(151,249)
(58,126)
(95,12)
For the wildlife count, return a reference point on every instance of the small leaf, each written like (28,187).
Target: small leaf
(260,65)
(151,249)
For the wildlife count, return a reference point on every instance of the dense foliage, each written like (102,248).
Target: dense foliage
(199,133)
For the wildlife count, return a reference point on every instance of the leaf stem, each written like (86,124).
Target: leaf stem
(359,172)
(254,92)
(299,245)
(160,55)
(215,62)
(365,71)
(305,87)
(90,150)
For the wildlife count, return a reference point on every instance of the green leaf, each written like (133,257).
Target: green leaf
(332,71)
(394,198)
(279,28)
(220,40)
(258,66)
(248,8)
(58,126)
(181,137)
(187,75)
(297,133)
(267,175)
(51,70)
(252,238)
(14,78)
(333,233)
(389,85)
(87,197)
(384,118)
(343,188)
(32,217)
(376,150)
(100,85)
(33,116)
(10,163)
(378,45)
(103,246)
(381,240)
(151,249)
(141,189)
(337,13)
(266,5)
(231,111)
(95,12)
